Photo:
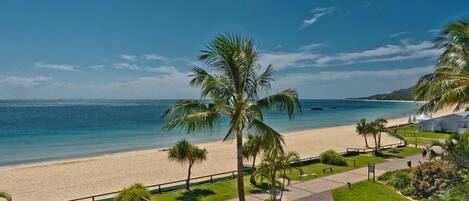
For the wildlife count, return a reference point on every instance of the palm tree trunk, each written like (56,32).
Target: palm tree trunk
(239,149)
(252,179)
(379,140)
(376,144)
(366,141)
(283,185)
(188,177)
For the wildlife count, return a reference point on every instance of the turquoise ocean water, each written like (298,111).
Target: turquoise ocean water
(45,130)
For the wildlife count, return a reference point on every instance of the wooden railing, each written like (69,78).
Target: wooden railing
(370,149)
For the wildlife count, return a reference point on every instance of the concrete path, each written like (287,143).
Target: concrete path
(319,189)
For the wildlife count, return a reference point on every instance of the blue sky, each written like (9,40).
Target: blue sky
(145,49)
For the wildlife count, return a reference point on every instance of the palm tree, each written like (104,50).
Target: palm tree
(286,161)
(448,85)
(231,88)
(373,128)
(455,149)
(6,196)
(381,126)
(275,167)
(251,149)
(362,129)
(184,152)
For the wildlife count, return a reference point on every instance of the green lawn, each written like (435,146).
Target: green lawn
(315,170)
(410,131)
(367,191)
(226,189)
(420,141)
(221,190)
(401,152)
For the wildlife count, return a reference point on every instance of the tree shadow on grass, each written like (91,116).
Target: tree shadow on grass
(195,195)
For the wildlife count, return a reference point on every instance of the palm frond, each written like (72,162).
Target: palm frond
(267,134)
(287,99)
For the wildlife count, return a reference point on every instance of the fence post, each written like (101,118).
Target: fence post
(159,189)
(211,178)
(92,198)
(232,174)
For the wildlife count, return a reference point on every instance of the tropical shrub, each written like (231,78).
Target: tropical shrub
(332,158)
(400,180)
(457,192)
(431,178)
(136,192)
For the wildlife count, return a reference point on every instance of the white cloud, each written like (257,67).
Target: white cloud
(282,60)
(128,57)
(311,46)
(154,57)
(434,31)
(23,82)
(388,52)
(64,67)
(397,34)
(317,13)
(333,75)
(135,67)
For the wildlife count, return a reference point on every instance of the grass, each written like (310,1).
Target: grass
(411,131)
(420,141)
(227,189)
(401,152)
(315,170)
(367,191)
(221,190)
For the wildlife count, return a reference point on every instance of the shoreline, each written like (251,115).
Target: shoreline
(159,149)
(75,178)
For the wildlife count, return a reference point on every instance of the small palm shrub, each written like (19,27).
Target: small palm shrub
(136,192)
(431,178)
(332,158)
(400,180)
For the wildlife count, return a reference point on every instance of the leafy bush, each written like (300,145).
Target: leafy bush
(408,191)
(386,176)
(400,180)
(333,158)
(136,192)
(433,177)
(457,192)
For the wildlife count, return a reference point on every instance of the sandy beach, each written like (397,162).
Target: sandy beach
(69,179)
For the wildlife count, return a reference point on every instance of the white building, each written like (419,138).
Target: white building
(454,123)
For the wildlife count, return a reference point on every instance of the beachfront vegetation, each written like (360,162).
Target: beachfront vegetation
(251,149)
(226,188)
(413,136)
(448,85)
(367,191)
(430,178)
(136,192)
(400,152)
(184,152)
(273,172)
(5,196)
(374,128)
(455,150)
(363,130)
(332,158)
(231,87)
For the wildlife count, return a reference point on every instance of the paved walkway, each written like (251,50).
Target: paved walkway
(319,189)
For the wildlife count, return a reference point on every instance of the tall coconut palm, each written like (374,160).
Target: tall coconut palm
(381,127)
(6,196)
(373,129)
(455,149)
(448,85)
(251,149)
(362,129)
(231,87)
(184,152)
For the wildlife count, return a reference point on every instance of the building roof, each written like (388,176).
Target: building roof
(462,114)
